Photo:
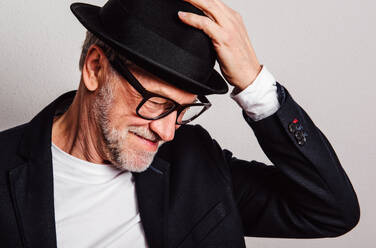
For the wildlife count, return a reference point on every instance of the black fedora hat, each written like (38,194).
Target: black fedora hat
(149,33)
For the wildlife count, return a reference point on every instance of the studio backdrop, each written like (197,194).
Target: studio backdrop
(323,52)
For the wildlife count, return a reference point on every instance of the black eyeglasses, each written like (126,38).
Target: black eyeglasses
(154,106)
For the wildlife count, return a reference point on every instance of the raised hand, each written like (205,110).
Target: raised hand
(225,27)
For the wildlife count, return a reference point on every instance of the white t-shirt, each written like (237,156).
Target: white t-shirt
(95,205)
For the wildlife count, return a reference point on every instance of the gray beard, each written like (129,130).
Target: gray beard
(122,158)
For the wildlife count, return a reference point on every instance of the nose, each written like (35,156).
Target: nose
(165,127)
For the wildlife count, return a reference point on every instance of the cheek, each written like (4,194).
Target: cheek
(123,114)
(123,104)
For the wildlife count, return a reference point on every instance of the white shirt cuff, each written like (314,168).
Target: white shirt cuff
(259,100)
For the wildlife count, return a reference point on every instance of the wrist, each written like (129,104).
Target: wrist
(241,86)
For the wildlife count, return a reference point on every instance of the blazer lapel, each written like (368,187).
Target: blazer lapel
(32,194)
(152,189)
(32,183)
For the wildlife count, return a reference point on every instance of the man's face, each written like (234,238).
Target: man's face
(132,141)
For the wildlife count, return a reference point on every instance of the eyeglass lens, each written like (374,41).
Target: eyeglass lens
(155,107)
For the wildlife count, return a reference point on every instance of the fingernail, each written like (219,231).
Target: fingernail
(181,13)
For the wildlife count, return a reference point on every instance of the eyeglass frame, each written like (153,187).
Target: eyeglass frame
(146,95)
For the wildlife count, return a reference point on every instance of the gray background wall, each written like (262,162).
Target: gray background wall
(321,51)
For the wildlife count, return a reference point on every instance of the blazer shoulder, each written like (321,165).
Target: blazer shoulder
(188,140)
(13,130)
(9,142)
(194,141)
(13,133)
(193,134)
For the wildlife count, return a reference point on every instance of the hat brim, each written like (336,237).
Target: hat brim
(89,17)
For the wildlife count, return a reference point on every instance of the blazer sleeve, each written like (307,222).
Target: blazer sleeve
(305,193)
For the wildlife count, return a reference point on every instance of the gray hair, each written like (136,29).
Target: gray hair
(90,40)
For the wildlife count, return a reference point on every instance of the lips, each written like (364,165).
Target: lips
(151,145)
(153,141)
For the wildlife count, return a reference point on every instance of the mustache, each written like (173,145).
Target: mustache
(145,133)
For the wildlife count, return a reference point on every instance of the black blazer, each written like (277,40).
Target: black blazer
(194,194)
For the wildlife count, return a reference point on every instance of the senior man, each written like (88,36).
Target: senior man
(114,164)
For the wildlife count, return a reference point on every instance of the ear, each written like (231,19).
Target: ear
(93,67)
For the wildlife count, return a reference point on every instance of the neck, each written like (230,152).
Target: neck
(75,132)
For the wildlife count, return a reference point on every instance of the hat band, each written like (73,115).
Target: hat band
(128,31)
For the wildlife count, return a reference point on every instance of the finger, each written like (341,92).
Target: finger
(201,22)
(212,9)
(223,6)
